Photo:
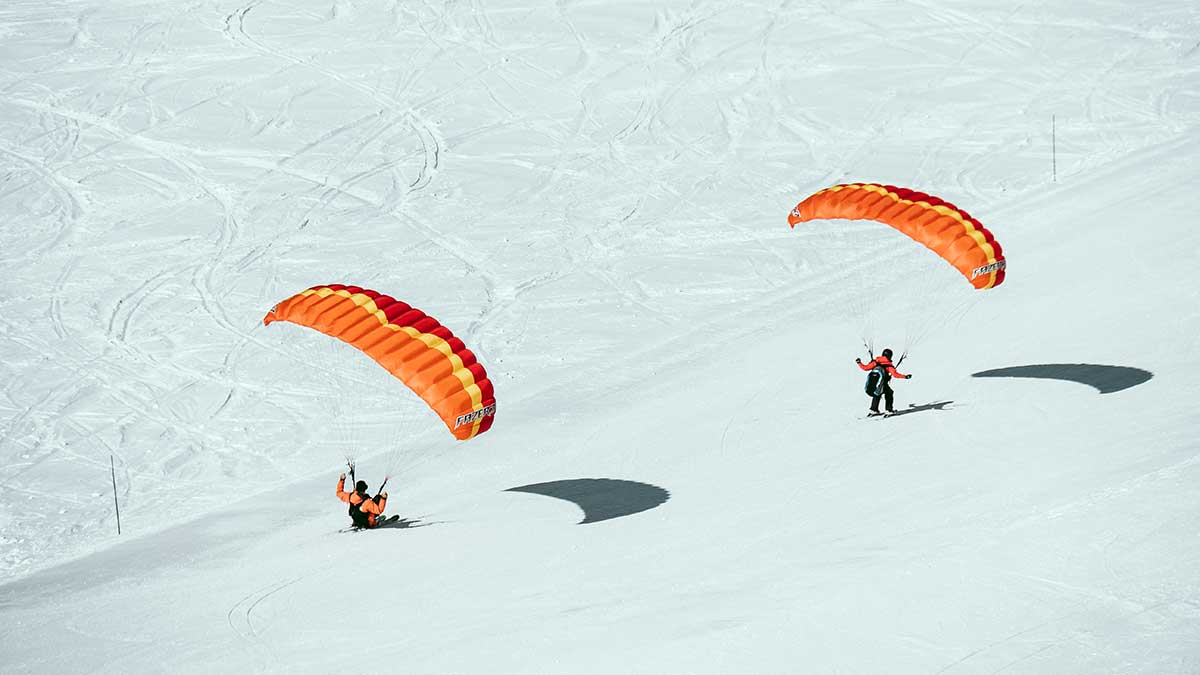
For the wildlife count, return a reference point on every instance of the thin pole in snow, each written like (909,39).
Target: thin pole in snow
(1053,152)
(116,506)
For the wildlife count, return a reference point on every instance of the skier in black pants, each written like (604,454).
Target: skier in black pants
(878,381)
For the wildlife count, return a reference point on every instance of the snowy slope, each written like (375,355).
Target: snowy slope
(594,197)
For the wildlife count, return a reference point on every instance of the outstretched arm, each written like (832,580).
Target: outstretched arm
(341,491)
(865,366)
(895,373)
(375,505)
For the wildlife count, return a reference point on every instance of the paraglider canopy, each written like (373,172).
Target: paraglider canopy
(942,227)
(409,344)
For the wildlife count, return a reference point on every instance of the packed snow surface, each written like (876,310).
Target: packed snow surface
(593,196)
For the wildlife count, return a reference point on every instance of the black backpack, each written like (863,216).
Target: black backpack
(358,516)
(876,379)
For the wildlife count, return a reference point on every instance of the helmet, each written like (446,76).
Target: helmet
(360,486)
(887,353)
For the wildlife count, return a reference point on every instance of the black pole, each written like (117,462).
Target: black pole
(116,506)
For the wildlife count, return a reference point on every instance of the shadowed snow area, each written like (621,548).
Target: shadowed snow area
(593,196)
(601,498)
(1106,379)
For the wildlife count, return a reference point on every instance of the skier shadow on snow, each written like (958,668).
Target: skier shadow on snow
(399,524)
(601,498)
(914,408)
(405,524)
(1106,379)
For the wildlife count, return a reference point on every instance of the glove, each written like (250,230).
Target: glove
(858,361)
(908,377)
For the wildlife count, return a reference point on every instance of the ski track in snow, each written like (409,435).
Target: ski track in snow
(241,619)
(594,197)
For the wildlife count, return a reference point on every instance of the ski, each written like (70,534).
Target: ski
(386,520)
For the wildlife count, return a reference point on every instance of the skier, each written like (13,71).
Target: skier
(882,372)
(365,511)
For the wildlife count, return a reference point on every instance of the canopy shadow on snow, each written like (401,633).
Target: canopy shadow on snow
(1106,379)
(601,498)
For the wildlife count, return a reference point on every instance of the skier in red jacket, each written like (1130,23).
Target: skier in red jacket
(878,382)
